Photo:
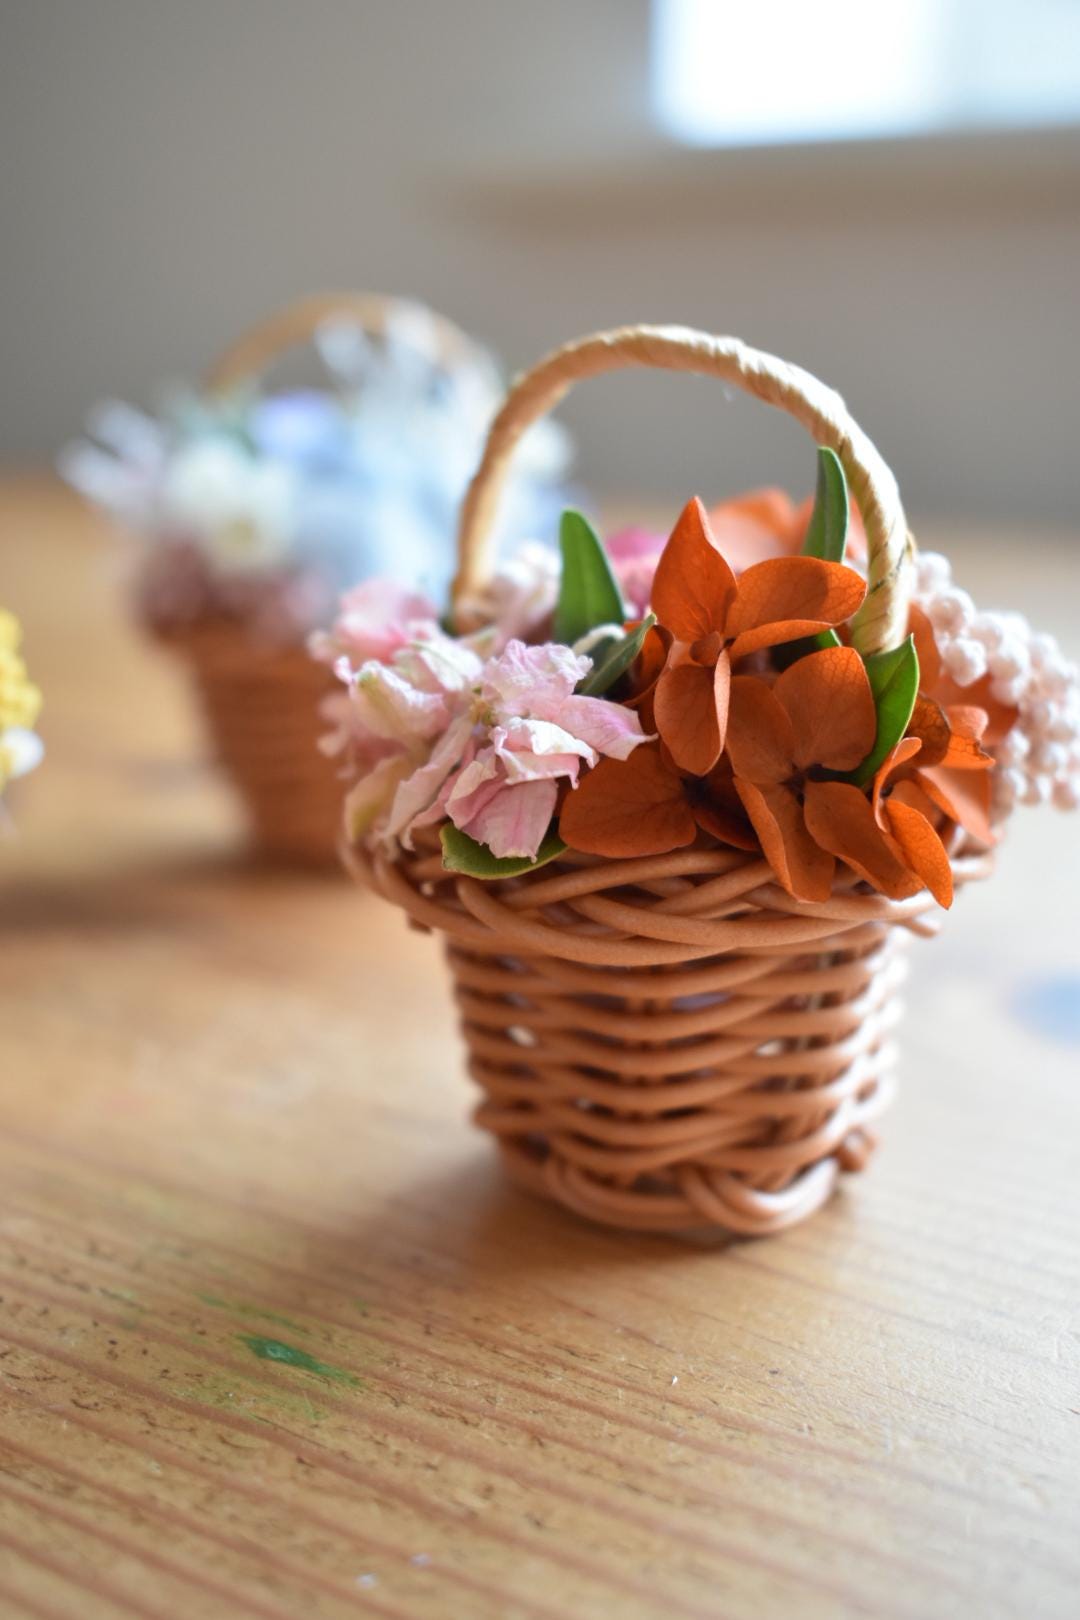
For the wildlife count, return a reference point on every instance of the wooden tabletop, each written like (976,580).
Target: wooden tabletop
(277,1340)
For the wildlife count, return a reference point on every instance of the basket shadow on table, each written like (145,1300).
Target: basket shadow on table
(482,1230)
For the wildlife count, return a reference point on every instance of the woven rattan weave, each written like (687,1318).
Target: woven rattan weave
(262,714)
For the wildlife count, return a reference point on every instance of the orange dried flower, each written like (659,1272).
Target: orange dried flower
(817,716)
(765,523)
(715,620)
(645,805)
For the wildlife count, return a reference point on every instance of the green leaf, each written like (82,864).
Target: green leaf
(826,535)
(463,854)
(588,593)
(603,675)
(894,681)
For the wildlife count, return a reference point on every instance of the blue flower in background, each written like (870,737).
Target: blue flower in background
(265,506)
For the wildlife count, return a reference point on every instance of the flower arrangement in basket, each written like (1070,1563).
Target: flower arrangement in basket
(21,748)
(258,508)
(676,815)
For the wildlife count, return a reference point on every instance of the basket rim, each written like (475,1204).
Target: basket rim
(683,907)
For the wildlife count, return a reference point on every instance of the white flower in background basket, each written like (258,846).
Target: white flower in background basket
(20,703)
(239,511)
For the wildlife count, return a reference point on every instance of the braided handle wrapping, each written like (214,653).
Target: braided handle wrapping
(881,621)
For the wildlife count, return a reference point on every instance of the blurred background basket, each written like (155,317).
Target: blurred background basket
(674,1041)
(259,506)
(262,699)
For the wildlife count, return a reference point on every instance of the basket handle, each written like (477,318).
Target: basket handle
(881,621)
(244,361)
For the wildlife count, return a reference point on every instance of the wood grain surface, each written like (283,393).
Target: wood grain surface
(277,1340)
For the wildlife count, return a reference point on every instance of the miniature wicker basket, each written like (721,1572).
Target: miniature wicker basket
(261,701)
(674,1042)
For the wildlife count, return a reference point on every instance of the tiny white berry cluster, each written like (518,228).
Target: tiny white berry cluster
(1039,759)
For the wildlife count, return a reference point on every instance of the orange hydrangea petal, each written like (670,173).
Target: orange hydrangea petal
(719,810)
(773,635)
(694,587)
(1000,717)
(800,864)
(967,726)
(902,755)
(964,796)
(760,736)
(646,667)
(910,793)
(690,706)
(627,807)
(841,819)
(968,720)
(921,849)
(949,737)
(828,699)
(762,523)
(794,590)
(929,723)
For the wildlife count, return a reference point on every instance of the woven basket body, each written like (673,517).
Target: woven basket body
(262,714)
(673,1043)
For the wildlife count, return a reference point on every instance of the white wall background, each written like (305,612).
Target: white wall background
(170,171)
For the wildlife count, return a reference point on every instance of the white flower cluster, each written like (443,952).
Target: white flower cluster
(1039,759)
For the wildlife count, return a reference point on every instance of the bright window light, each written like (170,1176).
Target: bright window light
(761,72)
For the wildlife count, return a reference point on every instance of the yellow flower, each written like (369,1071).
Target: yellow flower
(20,704)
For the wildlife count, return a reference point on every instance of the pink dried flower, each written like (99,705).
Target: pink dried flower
(483,744)
(374,621)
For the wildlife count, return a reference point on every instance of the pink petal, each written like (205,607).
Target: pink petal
(372,621)
(607,727)
(539,737)
(473,786)
(436,662)
(532,680)
(387,705)
(418,791)
(372,794)
(631,545)
(514,821)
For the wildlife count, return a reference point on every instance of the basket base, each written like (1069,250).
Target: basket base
(736,1104)
(262,715)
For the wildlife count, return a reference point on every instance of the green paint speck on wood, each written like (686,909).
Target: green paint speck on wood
(275,1350)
